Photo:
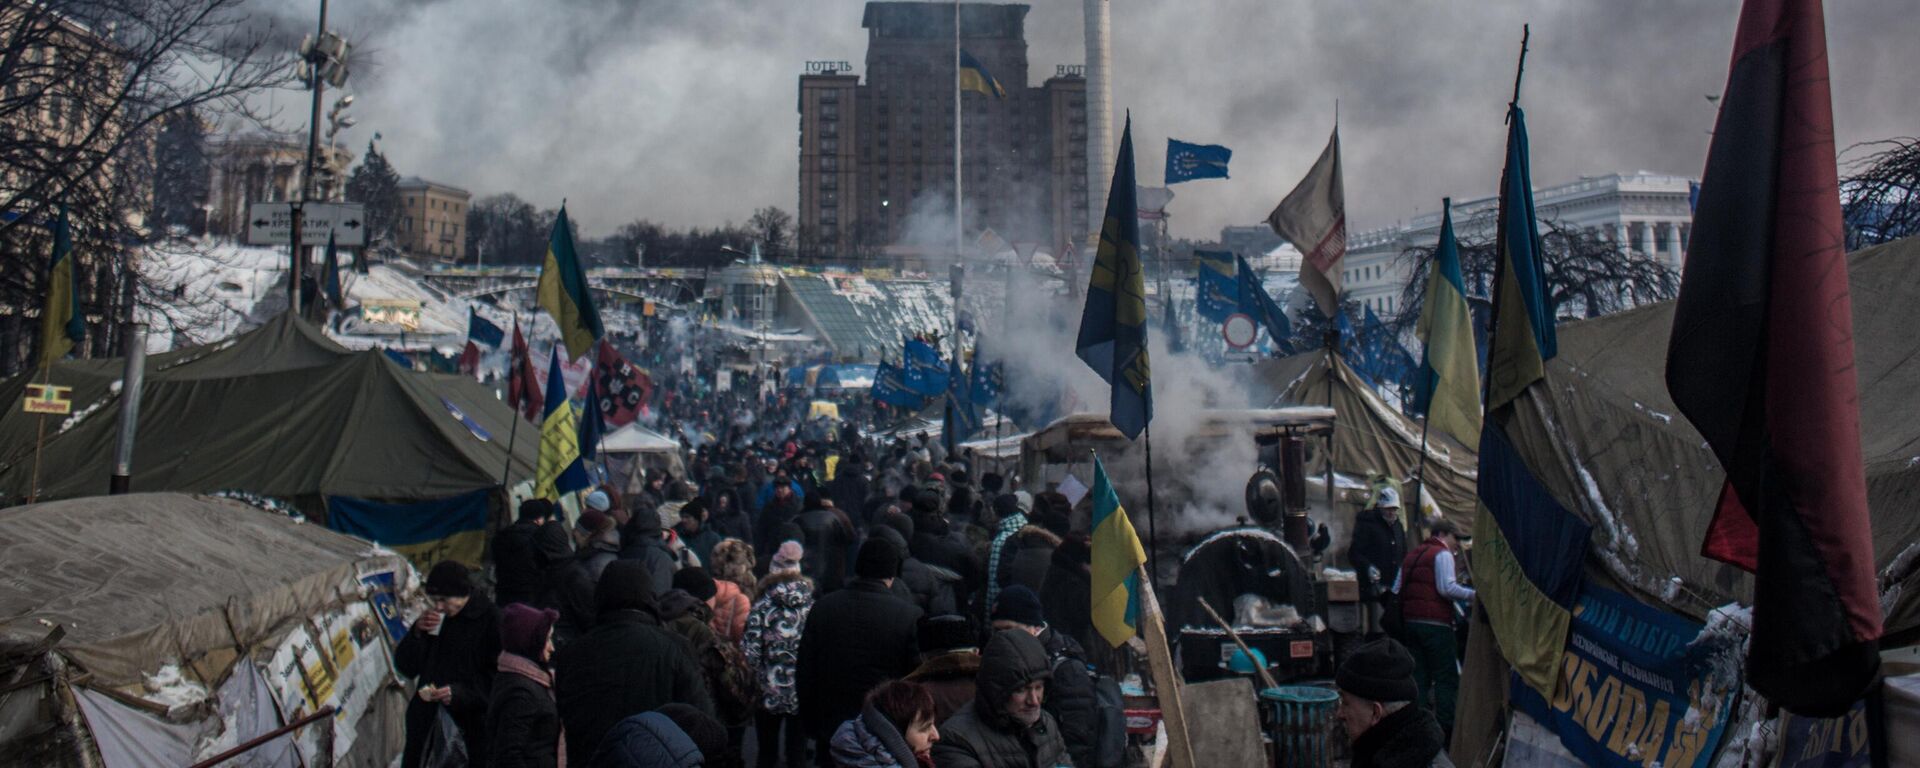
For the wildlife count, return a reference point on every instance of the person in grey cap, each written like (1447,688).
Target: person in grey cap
(1388,728)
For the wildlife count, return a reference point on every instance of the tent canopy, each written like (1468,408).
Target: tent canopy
(1637,469)
(279,411)
(140,580)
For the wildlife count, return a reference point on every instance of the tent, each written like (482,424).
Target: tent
(350,439)
(653,450)
(166,628)
(1605,438)
(1372,435)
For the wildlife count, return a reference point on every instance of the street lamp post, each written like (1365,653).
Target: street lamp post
(323,60)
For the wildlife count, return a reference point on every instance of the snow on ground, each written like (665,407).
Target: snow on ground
(214,288)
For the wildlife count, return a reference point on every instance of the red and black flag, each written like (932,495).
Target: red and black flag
(523,386)
(1761,362)
(621,388)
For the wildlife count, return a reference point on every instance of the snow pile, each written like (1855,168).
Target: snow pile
(205,290)
(171,689)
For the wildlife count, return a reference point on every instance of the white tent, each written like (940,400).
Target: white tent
(652,449)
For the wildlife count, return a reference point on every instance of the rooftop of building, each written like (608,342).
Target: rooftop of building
(934,21)
(867,318)
(1643,182)
(415,182)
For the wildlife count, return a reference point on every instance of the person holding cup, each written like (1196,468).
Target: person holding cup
(452,652)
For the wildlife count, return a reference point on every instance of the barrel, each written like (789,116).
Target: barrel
(1299,720)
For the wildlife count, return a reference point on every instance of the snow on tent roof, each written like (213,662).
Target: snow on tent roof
(634,438)
(136,581)
(865,318)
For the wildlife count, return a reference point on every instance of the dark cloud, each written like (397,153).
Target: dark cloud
(684,111)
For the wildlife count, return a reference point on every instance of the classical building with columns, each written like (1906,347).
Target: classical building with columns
(1649,213)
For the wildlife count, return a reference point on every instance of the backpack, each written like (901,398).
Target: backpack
(737,690)
(1110,719)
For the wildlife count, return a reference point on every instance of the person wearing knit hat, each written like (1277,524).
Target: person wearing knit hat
(878,559)
(599,501)
(855,638)
(521,716)
(1388,728)
(696,582)
(950,661)
(625,665)
(450,651)
(1071,698)
(787,558)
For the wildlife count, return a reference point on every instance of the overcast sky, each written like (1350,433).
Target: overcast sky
(683,111)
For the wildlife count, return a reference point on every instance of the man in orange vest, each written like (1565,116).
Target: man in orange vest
(1428,588)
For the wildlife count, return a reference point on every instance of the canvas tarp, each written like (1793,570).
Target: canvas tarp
(279,411)
(1640,472)
(1370,436)
(139,580)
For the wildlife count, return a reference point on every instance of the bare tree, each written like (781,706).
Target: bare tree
(1880,200)
(1587,275)
(84,87)
(774,228)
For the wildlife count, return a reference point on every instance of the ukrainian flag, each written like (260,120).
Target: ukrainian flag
(1530,549)
(560,469)
(1117,557)
(1448,388)
(1113,323)
(563,291)
(974,77)
(61,325)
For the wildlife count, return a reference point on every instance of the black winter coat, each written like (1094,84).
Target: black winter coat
(1070,697)
(1409,738)
(627,664)
(523,726)
(1066,597)
(981,735)
(1380,544)
(647,546)
(1025,559)
(951,550)
(463,657)
(519,570)
(855,639)
(929,587)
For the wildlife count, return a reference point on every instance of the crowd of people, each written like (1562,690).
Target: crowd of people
(843,601)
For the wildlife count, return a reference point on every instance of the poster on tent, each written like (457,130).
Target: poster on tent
(1631,691)
(344,665)
(1838,742)
(382,589)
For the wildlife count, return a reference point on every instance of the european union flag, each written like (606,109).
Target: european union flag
(1113,324)
(985,381)
(926,373)
(889,386)
(1216,289)
(1186,162)
(1256,303)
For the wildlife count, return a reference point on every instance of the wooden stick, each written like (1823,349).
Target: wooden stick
(1265,676)
(1166,681)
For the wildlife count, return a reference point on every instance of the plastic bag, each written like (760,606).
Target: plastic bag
(445,747)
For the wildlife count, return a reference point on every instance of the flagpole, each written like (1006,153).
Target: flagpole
(958,218)
(1153,534)
(506,472)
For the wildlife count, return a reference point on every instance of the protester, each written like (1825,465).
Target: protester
(1006,724)
(523,725)
(519,565)
(1066,597)
(730,606)
(1070,696)
(935,542)
(733,561)
(854,639)
(1427,590)
(598,542)
(708,735)
(771,644)
(1379,544)
(932,588)
(1388,728)
(625,665)
(828,536)
(1026,555)
(895,729)
(642,540)
(950,661)
(645,740)
(452,651)
(1013,517)
(727,517)
(694,532)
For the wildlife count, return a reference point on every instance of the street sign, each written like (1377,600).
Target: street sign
(272,224)
(1239,330)
(48,399)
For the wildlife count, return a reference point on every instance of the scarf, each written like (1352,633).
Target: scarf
(520,665)
(1009,526)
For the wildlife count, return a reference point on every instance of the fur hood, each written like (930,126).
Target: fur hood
(1033,535)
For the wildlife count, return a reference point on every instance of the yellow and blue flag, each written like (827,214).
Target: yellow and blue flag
(1217,288)
(1113,324)
(560,469)
(563,291)
(61,325)
(1447,387)
(1531,550)
(974,77)
(424,532)
(1186,162)
(1117,557)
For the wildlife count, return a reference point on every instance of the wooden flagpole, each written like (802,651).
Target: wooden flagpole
(1166,679)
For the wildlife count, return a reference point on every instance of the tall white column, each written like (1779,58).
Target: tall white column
(1100,152)
(1648,247)
(1676,253)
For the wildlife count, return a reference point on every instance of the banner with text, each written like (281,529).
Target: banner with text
(1631,693)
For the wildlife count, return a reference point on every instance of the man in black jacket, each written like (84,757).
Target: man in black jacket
(626,665)
(519,567)
(936,542)
(453,650)
(1006,725)
(1388,727)
(1070,696)
(828,537)
(854,639)
(1379,544)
